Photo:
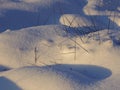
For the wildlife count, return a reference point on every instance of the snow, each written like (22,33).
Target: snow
(59,45)
(17,14)
(75,21)
(39,77)
(56,77)
(54,47)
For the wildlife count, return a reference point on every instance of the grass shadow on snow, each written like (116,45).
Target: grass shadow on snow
(6,84)
(84,74)
(100,23)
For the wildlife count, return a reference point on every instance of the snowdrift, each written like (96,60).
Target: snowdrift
(55,44)
(55,77)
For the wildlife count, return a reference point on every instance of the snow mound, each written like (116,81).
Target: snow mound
(58,77)
(20,45)
(53,44)
(34,78)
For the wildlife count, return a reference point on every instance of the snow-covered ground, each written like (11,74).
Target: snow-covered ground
(59,44)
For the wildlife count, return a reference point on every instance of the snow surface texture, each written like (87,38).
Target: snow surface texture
(55,77)
(55,47)
(76,46)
